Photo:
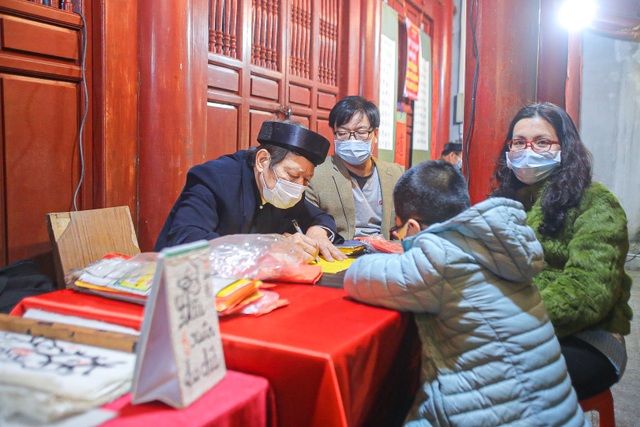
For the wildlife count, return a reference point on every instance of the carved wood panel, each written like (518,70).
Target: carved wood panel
(328,50)
(288,57)
(265,29)
(223,27)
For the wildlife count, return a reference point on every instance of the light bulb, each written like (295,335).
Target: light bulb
(577,14)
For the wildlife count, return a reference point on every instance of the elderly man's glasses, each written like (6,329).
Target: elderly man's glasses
(538,145)
(360,134)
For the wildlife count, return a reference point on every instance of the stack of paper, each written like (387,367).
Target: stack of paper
(234,294)
(46,380)
(118,276)
(352,247)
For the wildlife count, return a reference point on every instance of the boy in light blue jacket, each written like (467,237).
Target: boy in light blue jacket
(489,353)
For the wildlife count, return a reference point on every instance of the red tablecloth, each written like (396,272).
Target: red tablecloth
(238,400)
(329,360)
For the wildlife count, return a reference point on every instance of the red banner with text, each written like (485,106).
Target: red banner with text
(413,61)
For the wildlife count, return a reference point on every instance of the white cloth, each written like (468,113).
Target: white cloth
(47,379)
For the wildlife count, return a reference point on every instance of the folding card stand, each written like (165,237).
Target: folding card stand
(180,352)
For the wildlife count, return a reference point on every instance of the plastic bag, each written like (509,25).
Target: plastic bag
(262,302)
(270,301)
(123,273)
(253,256)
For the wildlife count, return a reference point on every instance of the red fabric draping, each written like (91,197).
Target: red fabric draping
(94,307)
(238,400)
(330,361)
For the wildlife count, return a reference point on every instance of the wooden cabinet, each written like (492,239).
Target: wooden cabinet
(40,113)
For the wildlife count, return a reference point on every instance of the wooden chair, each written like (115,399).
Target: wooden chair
(81,237)
(603,404)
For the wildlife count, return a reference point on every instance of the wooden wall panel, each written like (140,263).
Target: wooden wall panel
(256,119)
(265,88)
(222,130)
(41,159)
(39,41)
(43,40)
(302,119)
(299,95)
(223,78)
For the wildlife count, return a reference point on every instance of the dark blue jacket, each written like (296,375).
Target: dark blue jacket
(221,197)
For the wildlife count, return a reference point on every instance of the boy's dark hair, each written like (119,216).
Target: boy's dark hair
(431,192)
(348,107)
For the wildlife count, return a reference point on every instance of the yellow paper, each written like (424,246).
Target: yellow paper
(335,266)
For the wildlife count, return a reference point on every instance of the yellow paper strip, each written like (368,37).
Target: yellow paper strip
(335,266)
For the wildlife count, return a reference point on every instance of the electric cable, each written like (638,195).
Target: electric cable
(473,21)
(85,108)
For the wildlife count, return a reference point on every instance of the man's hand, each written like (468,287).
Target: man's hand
(318,236)
(307,246)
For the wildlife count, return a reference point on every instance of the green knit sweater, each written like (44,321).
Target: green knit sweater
(583,284)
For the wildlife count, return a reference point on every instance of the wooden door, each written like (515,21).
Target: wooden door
(265,57)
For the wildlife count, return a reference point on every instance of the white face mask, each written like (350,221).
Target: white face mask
(284,195)
(531,167)
(459,163)
(353,152)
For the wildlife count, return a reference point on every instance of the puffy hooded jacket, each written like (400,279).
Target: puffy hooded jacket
(489,353)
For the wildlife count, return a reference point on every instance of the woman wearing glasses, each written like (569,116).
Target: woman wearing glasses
(583,231)
(353,186)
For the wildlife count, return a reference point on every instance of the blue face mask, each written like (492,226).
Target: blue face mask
(353,152)
(531,167)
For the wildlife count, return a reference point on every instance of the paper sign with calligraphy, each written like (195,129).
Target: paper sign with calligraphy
(387,94)
(412,79)
(180,352)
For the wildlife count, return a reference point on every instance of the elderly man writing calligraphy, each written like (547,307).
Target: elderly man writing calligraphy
(259,190)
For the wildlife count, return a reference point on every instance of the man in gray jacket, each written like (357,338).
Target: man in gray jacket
(489,353)
(352,186)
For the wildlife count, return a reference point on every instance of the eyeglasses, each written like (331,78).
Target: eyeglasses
(538,145)
(395,232)
(360,134)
